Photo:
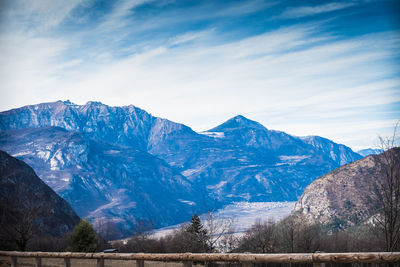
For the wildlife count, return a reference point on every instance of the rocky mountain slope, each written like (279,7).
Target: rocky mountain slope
(101,180)
(26,202)
(130,164)
(344,197)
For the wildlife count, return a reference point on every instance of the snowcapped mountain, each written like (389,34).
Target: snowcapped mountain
(127,126)
(241,160)
(124,163)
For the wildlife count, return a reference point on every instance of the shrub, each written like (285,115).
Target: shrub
(83,238)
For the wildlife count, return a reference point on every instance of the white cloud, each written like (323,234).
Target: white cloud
(39,14)
(189,37)
(208,10)
(118,17)
(304,11)
(243,7)
(29,66)
(245,76)
(295,78)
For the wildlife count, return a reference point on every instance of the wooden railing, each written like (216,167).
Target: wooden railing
(318,259)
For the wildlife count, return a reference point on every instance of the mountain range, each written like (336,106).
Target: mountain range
(125,165)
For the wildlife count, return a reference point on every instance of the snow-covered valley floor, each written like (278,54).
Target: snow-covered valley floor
(242,215)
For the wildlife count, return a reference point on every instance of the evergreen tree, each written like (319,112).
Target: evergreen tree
(83,238)
(196,227)
(198,235)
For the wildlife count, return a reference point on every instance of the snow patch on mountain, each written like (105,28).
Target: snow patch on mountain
(293,159)
(191,203)
(191,171)
(118,201)
(214,134)
(21,154)
(217,186)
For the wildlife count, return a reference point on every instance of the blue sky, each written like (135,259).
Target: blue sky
(327,68)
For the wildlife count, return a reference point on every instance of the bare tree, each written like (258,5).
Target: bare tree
(18,219)
(107,231)
(296,234)
(388,192)
(219,232)
(229,242)
(259,238)
(141,240)
(288,229)
(307,236)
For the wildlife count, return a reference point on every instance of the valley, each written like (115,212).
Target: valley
(240,216)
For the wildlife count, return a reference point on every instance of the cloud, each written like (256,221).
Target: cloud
(118,18)
(179,17)
(304,11)
(299,78)
(189,37)
(246,74)
(39,14)
(30,65)
(242,8)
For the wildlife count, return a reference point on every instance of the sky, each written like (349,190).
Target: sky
(327,68)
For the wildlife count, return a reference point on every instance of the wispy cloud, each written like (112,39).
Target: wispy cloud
(295,77)
(246,74)
(179,17)
(243,7)
(189,37)
(39,14)
(304,11)
(118,18)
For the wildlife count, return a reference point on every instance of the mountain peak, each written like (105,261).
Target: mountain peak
(240,118)
(68,103)
(94,103)
(237,122)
